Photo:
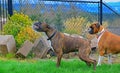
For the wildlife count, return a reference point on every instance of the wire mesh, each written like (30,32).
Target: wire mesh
(3,12)
(111,17)
(67,16)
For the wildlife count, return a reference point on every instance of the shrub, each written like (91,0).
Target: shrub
(19,25)
(11,28)
(26,33)
(75,25)
(79,25)
(15,23)
(21,19)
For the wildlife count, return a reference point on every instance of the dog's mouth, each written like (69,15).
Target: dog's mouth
(90,30)
(36,28)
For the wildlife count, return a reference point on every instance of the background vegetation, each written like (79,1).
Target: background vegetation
(65,18)
(20,26)
(75,25)
(57,14)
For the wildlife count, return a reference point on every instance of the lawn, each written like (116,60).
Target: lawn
(48,66)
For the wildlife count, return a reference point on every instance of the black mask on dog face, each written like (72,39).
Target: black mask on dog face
(38,27)
(91,30)
(41,27)
(94,28)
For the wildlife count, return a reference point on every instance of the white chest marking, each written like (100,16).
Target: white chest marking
(100,35)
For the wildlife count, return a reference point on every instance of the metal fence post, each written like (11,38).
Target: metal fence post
(101,12)
(10,8)
(0,16)
(0,8)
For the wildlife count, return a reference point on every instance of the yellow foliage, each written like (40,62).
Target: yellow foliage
(19,25)
(79,25)
(21,19)
(26,33)
(75,25)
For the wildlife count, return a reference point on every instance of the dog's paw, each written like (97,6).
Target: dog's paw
(98,64)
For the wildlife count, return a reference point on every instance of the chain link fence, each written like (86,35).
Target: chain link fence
(3,12)
(69,16)
(111,16)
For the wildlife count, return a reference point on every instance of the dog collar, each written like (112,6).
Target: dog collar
(99,35)
(53,34)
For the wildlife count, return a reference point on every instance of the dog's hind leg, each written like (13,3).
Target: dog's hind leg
(85,57)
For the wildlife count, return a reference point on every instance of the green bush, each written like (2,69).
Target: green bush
(19,25)
(11,28)
(26,33)
(15,23)
(21,19)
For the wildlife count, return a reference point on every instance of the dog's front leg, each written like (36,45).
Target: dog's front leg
(59,56)
(109,59)
(99,60)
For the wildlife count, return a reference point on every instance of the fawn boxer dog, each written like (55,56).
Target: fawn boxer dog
(107,42)
(63,43)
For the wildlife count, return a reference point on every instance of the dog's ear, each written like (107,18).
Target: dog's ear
(97,25)
(46,25)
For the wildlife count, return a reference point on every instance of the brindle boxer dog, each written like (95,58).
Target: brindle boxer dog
(108,43)
(62,43)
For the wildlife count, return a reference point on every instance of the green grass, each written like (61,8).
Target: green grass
(49,66)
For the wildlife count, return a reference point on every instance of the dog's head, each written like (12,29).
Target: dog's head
(94,28)
(41,27)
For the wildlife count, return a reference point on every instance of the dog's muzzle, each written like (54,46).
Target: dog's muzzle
(90,30)
(37,28)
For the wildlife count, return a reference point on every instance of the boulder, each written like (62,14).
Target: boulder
(7,44)
(25,49)
(41,47)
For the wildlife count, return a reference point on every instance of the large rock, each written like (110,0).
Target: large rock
(7,44)
(25,49)
(41,47)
